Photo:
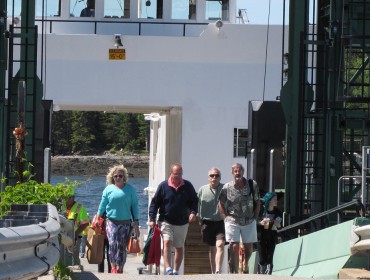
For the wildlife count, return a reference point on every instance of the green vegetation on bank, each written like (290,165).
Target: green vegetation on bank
(79,132)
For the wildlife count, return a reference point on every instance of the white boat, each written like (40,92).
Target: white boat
(193,78)
(193,68)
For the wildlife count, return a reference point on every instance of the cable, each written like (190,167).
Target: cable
(267,44)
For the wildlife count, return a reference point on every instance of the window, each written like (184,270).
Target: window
(217,10)
(117,8)
(84,8)
(183,9)
(150,8)
(240,142)
(51,8)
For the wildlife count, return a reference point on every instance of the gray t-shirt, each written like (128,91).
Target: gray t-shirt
(208,203)
(238,203)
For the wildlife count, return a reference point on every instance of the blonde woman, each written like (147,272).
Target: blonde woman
(119,200)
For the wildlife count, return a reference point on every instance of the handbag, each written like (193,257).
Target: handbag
(133,245)
(94,246)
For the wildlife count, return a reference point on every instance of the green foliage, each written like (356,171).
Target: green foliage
(32,192)
(94,132)
(62,131)
(62,272)
(356,75)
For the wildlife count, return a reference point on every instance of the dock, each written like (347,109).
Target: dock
(134,263)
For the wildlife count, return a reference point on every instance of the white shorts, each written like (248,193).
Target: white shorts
(247,232)
(177,234)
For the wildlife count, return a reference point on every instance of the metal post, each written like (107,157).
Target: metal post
(339,192)
(47,165)
(271,170)
(339,188)
(365,155)
(252,170)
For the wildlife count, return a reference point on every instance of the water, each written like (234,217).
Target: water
(89,193)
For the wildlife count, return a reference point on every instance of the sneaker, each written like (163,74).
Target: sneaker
(218,272)
(169,271)
(175,273)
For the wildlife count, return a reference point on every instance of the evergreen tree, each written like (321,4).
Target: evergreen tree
(61,132)
(94,132)
(82,133)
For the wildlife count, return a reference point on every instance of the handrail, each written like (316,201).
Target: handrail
(339,187)
(327,212)
(98,24)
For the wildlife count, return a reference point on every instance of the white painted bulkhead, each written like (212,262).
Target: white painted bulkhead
(209,80)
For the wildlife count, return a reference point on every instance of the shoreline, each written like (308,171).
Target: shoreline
(98,165)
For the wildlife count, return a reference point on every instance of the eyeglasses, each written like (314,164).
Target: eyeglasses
(119,176)
(214,175)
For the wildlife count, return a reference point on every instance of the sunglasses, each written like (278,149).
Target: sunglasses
(119,176)
(214,175)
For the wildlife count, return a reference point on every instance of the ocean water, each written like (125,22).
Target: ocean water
(90,191)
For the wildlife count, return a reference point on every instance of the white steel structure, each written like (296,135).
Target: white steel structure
(193,77)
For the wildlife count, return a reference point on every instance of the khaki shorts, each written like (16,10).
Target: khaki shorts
(177,234)
(248,233)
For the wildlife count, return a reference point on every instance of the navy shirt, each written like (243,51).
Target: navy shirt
(174,205)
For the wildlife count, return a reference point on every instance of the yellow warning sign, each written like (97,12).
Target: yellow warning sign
(117,54)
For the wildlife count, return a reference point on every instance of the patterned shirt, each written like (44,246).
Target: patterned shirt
(238,203)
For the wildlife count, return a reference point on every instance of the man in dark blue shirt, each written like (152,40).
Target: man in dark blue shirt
(177,203)
(89,11)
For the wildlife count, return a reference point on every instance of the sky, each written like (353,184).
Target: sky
(258,11)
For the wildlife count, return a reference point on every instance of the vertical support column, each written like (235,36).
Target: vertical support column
(200,10)
(3,119)
(99,10)
(271,170)
(47,165)
(252,164)
(365,168)
(290,101)
(134,9)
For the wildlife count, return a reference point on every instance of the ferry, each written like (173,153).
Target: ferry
(289,102)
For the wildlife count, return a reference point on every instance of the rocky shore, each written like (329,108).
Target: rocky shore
(137,165)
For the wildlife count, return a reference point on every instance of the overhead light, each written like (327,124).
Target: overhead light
(219,24)
(117,41)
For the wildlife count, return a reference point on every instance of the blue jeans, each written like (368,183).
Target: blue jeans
(83,246)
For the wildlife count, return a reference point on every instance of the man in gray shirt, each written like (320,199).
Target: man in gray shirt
(213,228)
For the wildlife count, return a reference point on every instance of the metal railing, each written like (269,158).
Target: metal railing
(29,245)
(297,227)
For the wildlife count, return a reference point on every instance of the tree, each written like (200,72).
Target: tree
(82,133)
(94,132)
(61,132)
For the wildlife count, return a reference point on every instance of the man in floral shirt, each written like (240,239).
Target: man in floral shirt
(239,203)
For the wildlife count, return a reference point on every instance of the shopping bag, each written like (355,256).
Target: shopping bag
(133,245)
(94,246)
